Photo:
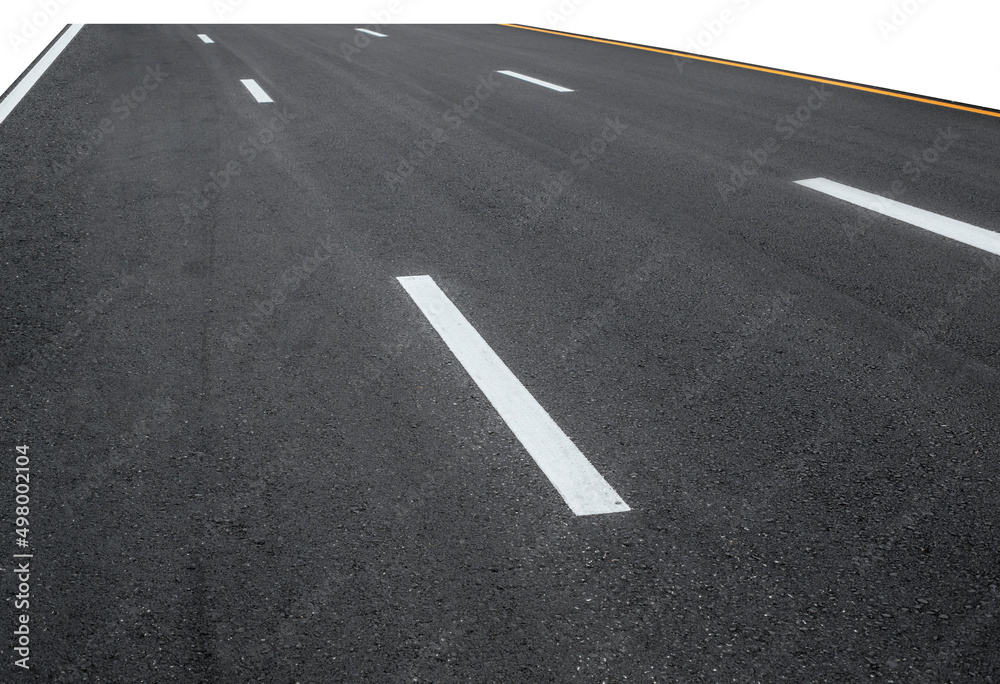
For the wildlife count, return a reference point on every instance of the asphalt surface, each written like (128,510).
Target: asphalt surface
(253,459)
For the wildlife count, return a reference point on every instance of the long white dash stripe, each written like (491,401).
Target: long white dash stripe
(256,90)
(372,33)
(205,39)
(581,486)
(24,85)
(536,81)
(974,236)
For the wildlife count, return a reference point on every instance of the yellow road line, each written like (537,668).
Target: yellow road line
(843,84)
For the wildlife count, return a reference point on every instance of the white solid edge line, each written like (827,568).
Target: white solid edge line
(22,88)
(372,33)
(256,90)
(577,481)
(536,81)
(967,233)
(205,39)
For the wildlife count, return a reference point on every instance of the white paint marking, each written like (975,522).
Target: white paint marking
(24,85)
(573,476)
(974,236)
(372,33)
(205,39)
(256,90)
(529,79)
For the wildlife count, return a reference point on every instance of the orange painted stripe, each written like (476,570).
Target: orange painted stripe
(843,84)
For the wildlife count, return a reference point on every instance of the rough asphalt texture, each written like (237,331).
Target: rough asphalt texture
(253,459)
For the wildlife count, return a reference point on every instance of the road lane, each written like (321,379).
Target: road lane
(801,414)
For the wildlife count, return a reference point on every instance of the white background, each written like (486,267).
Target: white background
(941,48)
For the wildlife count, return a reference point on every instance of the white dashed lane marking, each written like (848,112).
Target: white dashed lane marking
(974,236)
(581,486)
(256,90)
(529,79)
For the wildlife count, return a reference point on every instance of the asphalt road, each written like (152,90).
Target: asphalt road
(252,457)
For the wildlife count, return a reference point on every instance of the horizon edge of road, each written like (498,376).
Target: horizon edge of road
(44,51)
(901,94)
